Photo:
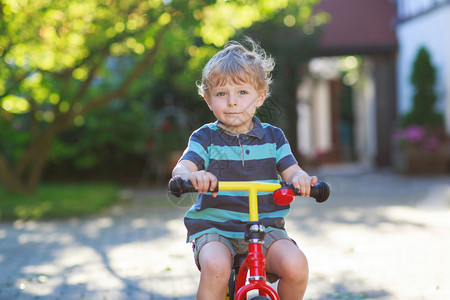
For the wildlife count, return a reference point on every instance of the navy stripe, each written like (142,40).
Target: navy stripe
(286,162)
(195,158)
(251,170)
(211,132)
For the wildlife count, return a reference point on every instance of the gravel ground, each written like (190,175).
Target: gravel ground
(379,236)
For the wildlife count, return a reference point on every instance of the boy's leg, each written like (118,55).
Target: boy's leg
(215,262)
(287,261)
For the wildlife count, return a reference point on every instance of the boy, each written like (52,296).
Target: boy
(238,147)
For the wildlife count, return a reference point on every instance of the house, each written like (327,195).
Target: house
(424,23)
(358,82)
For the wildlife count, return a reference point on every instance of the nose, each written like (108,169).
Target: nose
(232,101)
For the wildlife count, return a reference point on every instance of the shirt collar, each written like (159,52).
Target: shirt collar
(257,130)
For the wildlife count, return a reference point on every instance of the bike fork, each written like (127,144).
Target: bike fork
(255,264)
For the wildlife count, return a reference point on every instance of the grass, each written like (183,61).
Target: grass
(57,201)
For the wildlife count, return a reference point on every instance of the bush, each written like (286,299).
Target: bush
(423,79)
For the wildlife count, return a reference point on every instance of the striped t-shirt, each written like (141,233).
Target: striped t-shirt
(259,155)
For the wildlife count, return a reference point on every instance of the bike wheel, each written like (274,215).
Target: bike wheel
(231,286)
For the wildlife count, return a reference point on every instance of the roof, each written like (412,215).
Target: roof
(357,27)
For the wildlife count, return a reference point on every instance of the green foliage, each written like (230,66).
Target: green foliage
(108,135)
(13,137)
(57,201)
(63,60)
(423,79)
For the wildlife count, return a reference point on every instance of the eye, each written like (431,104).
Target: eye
(220,94)
(243,92)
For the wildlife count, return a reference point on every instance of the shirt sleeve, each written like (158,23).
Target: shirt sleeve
(284,156)
(197,149)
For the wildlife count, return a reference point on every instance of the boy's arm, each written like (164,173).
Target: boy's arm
(201,180)
(184,168)
(299,179)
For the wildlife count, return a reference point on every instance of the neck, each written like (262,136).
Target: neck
(234,132)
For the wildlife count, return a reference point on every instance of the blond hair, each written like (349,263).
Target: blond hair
(240,65)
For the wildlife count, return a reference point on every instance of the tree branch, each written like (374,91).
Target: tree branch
(135,73)
(5,171)
(39,144)
(85,84)
(63,121)
(34,125)
(8,179)
(15,84)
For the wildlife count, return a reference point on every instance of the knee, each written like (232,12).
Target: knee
(218,268)
(295,269)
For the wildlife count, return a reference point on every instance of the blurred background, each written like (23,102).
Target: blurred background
(104,91)
(98,99)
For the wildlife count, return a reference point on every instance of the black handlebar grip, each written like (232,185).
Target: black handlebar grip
(179,186)
(320,192)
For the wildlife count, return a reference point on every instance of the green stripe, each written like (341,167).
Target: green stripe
(283,151)
(221,215)
(216,215)
(198,149)
(235,152)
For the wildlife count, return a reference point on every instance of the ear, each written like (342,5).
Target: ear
(262,96)
(207,102)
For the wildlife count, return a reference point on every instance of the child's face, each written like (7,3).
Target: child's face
(235,104)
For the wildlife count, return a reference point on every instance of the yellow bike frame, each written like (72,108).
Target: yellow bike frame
(253,187)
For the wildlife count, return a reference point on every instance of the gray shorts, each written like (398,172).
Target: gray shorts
(238,246)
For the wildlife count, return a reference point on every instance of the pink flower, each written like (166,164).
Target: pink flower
(420,137)
(414,134)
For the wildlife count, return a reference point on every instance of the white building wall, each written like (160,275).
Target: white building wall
(304,130)
(432,30)
(314,122)
(321,116)
(314,107)
(365,114)
(411,8)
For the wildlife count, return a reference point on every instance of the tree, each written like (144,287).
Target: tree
(56,59)
(423,78)
(54,55)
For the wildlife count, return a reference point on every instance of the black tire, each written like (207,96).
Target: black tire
(232,285)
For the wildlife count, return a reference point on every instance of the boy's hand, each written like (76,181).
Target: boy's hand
(303,182)
(299,179)
(203,182)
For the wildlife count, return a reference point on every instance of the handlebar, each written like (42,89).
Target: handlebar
(179,186)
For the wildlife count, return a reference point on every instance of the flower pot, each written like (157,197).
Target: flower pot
(415,161)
